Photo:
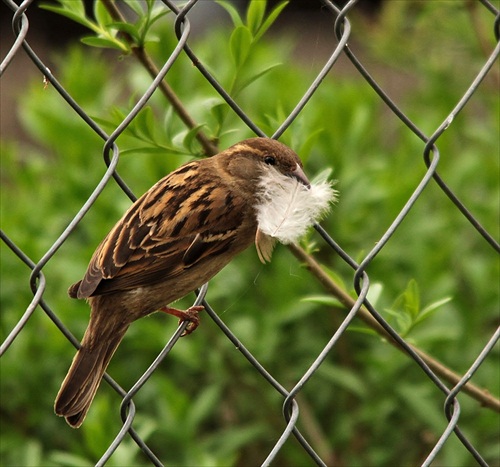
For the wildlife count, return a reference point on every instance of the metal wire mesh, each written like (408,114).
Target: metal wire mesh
(361,279)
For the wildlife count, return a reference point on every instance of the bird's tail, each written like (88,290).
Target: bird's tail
(87,369)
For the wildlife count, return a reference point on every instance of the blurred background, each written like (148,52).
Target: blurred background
(436,281)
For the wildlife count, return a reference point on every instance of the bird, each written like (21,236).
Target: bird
(176,237)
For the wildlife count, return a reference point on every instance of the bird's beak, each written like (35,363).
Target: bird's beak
(299,174)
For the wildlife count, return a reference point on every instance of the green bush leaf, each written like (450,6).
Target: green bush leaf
(429,310)
(103,42)
(255,13)
(271,18)
(74,10)
(137,6)
(102,15)
(239,45)
(130,29)
(255,77)
(233,12)
(327,300)
(189,141)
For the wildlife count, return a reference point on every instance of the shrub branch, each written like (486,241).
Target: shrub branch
(480,394)
(209,148)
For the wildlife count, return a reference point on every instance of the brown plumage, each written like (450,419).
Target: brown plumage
(173,239)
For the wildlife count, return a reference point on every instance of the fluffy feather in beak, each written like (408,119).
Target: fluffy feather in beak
(289,206)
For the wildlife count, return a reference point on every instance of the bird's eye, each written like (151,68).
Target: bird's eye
(270,160)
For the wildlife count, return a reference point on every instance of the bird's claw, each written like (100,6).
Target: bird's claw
(191,315)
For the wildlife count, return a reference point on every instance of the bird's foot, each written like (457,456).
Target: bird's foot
(191,315)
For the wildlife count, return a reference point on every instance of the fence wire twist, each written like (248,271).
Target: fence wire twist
(361,280)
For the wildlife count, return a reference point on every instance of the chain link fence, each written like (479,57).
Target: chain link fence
(452,385)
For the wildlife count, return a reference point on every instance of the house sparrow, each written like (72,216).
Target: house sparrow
(176,237)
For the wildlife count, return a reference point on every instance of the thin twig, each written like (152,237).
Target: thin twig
(480,394)
(209,148)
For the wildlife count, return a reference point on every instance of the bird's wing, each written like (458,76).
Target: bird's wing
(185,218)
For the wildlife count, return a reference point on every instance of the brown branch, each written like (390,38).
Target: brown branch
(209,147)
(480,394)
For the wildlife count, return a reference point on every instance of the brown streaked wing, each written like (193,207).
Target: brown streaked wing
(188,214)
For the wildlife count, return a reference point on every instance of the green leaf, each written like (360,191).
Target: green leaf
(74,14)
(363,330)
(150,4)
(406,309)
(239,45)
(412,298)
(327,300)
(336,277)
(156,15)
(146,20)
(145,122)
(374,292)
(255,14)
(103,42)
(431,309)
(75,6)
(219,111)
(271,18)
(167,125)
(130,29)
(102,15)
(190,139)
(255,77)
(104,122)
(233,12)
(408,302)
(137,6)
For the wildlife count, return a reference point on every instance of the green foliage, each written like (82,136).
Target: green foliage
(105,30)
(206,405)
(407,312)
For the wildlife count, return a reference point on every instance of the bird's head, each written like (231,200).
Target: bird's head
(271,176)
(252,159)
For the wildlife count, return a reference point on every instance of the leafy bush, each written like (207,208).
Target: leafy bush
(368,404)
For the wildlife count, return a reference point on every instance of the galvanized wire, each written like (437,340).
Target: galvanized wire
(361,280)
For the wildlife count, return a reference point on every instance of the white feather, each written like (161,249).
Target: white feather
(287,207)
